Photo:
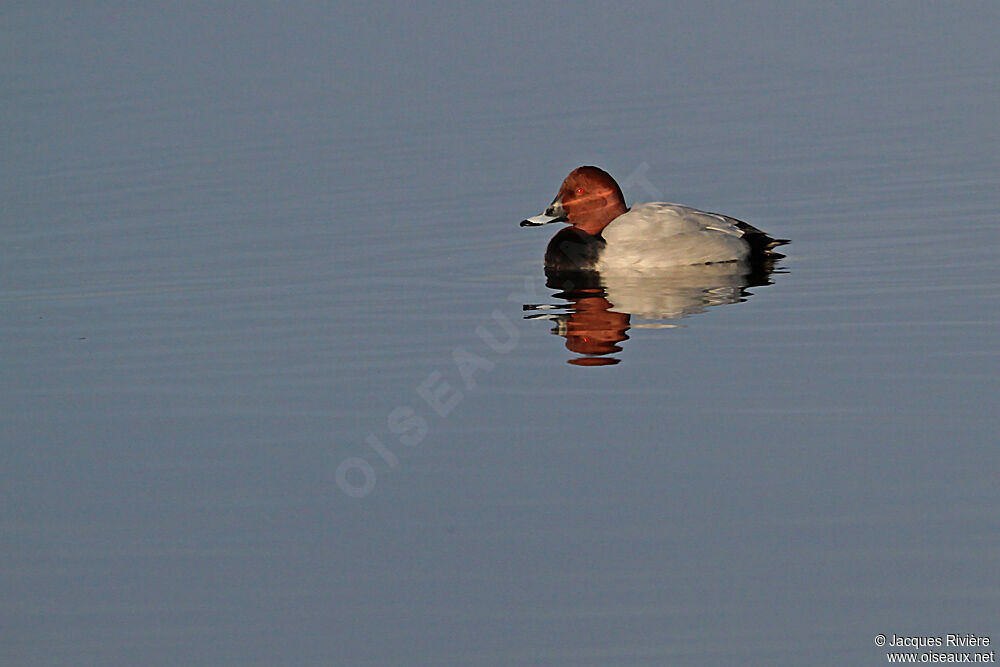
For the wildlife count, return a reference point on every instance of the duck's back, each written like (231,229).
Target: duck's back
(660,234)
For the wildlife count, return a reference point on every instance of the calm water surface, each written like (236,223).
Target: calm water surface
(283,382)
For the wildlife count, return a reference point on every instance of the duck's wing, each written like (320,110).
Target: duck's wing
(759,240)
(660,220)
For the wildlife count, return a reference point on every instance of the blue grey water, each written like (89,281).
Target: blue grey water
(270,394)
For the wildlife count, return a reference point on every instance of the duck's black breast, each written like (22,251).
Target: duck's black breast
(572,249)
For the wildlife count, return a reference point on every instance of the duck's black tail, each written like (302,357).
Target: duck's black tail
(763,256)
(761,243)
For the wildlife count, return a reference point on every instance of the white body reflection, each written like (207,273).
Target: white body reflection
(677,292)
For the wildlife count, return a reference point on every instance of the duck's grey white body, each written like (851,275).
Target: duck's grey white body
(661,234)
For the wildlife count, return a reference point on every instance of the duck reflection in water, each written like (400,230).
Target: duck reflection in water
(655,263)
(600,307)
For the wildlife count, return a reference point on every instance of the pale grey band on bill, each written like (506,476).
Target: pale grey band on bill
(539,220)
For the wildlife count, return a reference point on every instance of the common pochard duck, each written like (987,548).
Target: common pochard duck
(605,235)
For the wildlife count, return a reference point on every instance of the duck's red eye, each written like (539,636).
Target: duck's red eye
(579,191)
